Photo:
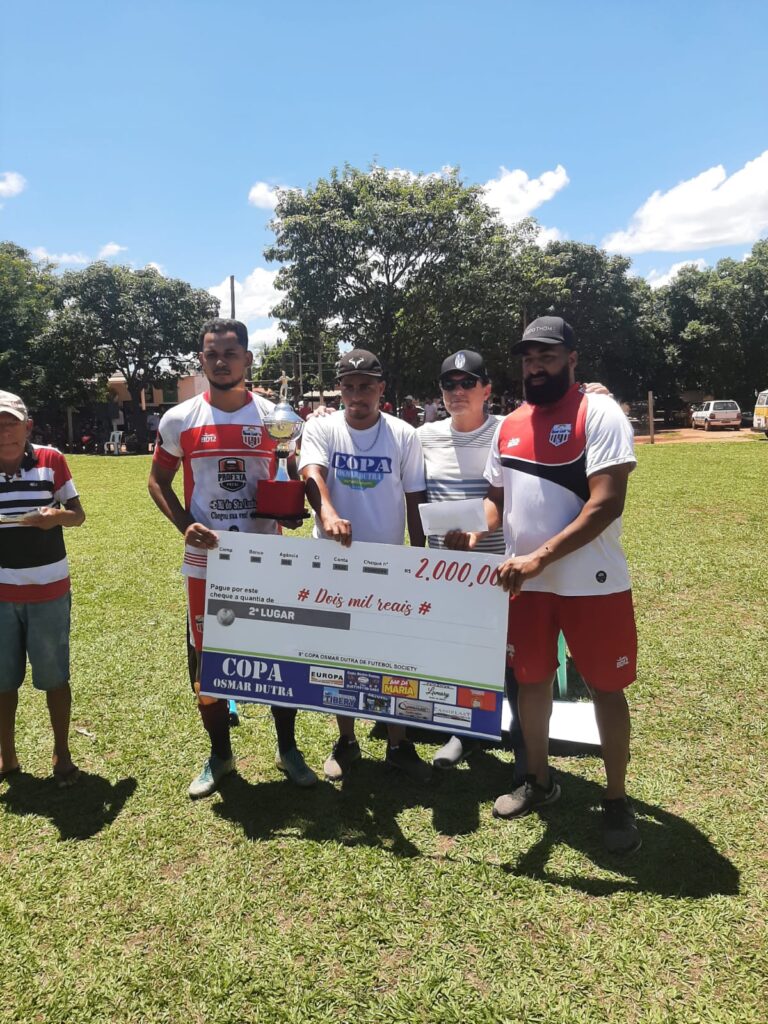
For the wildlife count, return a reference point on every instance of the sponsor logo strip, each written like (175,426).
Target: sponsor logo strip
(484,700)
(400,687)
(445,714)
(439,693)
(368,681)
(326,676)
(299,660)
(375,704)
(418,710)
(339,699)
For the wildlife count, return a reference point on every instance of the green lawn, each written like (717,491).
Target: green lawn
(121,900)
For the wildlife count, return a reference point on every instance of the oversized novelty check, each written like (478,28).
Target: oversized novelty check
(404,635)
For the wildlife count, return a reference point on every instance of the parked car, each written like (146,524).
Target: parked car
(717,414)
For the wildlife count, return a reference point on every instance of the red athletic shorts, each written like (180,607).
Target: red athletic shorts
(196,610)
(600,633)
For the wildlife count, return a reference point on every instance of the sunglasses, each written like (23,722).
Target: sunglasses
(466,384)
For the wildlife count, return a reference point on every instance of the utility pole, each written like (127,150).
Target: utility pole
(233,315)
(320,370)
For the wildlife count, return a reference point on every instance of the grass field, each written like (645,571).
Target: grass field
(121,900)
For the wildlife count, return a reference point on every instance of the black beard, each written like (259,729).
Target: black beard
(549,391)
(230,384)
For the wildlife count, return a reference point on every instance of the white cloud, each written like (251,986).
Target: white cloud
(516,196)
(11,184)
(657,278)
(268,336)
(547,235)
(157,266)
(62,258)
(263,196)
(401,172)
(109,250)
(254,297)
(708,210)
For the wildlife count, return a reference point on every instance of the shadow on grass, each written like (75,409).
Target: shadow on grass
(675,860)
(364,810)
(79,812)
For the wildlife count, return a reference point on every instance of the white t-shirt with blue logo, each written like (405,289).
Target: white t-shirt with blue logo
(369,472)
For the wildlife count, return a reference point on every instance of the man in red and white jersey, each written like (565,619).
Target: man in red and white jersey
(220,440)
(37,499)
(558,471)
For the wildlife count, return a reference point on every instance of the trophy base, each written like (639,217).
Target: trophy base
(280,499)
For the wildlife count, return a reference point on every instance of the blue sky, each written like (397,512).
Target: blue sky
(138,130)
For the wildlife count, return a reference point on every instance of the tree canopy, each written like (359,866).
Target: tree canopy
(390,262)
(412,267)
(142,324)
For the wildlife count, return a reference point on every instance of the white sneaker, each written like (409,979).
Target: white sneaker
(207,782)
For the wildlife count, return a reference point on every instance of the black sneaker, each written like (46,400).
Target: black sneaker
(345,752)
(620,832)
(526,798)
(405,758)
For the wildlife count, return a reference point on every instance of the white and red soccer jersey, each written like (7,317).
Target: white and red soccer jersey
(224,455)
(543,457)
(33,562)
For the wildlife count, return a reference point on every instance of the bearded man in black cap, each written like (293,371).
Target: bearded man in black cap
(558,471)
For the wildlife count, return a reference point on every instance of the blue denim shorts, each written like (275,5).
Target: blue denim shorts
(38,631)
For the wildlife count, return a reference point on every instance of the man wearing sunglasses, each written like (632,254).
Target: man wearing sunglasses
(455,453)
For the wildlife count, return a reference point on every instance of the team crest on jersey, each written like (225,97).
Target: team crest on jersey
(513,442)
(251,437)
(232,474)
(560,433)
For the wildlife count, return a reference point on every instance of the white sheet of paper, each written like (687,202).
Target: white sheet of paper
(438,517)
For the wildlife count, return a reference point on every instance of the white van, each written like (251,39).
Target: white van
(760,419)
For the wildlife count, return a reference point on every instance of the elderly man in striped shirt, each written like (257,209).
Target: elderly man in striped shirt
(37,499)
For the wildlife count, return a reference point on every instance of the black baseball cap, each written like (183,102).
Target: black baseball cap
(359,360)
(465,361)
(549,330)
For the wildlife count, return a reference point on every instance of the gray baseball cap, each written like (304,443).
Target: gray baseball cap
(14,405)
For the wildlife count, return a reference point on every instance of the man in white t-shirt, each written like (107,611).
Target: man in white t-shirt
(365,477)
(220,440)
(558,472)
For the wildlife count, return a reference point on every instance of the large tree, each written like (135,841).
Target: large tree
(391,262)
(717,323)
(611,312)
(27,291)
(141,323)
